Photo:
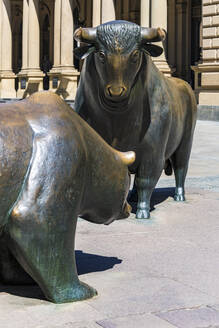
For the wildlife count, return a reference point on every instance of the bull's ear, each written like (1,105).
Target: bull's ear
(152,49)
(127,158)
(84,51)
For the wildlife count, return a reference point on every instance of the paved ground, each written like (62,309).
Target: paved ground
(158,273)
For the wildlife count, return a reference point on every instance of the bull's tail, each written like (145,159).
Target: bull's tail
(168,169)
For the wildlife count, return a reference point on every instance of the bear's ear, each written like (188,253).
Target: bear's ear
(152,49)
(84,51)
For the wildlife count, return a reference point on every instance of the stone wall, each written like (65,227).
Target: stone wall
(209,69)
(26,67)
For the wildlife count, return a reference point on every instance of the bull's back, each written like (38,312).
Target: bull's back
(183,97)
(15,155)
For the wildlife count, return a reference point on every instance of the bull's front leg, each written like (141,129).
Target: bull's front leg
(146,180)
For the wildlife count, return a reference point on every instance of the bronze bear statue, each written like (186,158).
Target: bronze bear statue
(53,168)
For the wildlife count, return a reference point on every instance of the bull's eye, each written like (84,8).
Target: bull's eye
(101,56)
(135,56)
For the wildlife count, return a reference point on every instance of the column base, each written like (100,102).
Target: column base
(63,81)
(163,66)
(206,83)
(7,85)
(30,81)
(209,97)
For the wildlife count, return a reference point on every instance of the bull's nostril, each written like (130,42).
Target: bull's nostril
(116,91)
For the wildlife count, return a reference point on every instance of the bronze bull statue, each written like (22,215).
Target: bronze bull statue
(132,105)
(53,168)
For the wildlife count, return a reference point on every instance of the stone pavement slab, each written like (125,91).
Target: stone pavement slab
(193,318)
(82,324)
(145,320)
(157,273)
(43,314)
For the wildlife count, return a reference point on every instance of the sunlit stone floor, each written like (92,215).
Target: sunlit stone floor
(157,273)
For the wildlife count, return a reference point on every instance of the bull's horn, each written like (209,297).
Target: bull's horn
(127,158)
(152,34)
(87,35)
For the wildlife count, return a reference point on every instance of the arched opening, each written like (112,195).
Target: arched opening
(46,36)
(82,15)
(46,39)
(196,50)
(184,19)
(45,63)
(16,41)
(128,10)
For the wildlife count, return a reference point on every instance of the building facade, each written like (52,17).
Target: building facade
(36,41)
(207,71)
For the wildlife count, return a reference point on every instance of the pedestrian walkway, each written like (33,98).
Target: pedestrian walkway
(157,273)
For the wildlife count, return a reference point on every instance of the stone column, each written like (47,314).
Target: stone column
(108,11)
(63,76)
(7,77)
(208,71)
(145,13)
(96,12)
(30,77)
(57,34)
(182,54)
(25,35)
(1,5)
(67,31)
(22,74)
(159,19)
(103,11)
(34,36)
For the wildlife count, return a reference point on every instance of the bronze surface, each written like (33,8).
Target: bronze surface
(53,168)
(132,105)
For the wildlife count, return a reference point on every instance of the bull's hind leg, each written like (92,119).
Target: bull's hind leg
(180,161)
(42,240)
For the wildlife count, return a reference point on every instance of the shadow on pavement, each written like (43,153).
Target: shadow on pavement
(33,291)
(159,196)
(86,263)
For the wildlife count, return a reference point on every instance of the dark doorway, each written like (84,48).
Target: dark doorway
(82,14)
(46,19)
(184,19)
(128,10)
(45,63)
(16,41)
(195,35)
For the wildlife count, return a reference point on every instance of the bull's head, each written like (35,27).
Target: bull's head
(118,49)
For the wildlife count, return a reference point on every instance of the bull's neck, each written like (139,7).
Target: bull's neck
(115,126)
(154,77)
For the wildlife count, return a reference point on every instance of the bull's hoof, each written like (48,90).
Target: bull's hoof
(142,214)
(78,292)
(179,198)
